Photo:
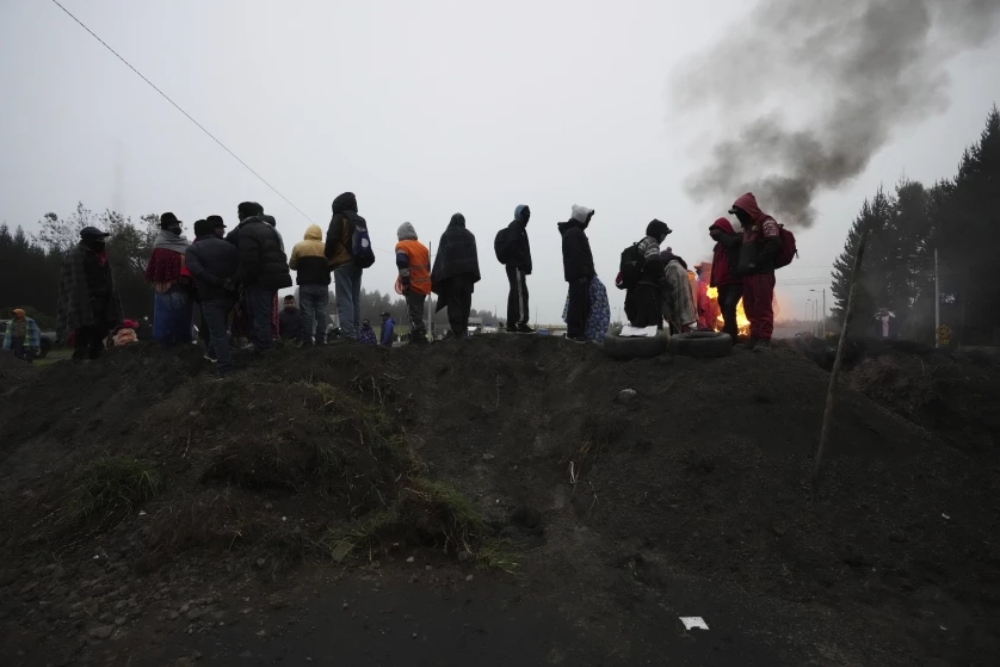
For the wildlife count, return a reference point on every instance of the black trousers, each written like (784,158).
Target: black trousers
(459,304)
(88,342)
(579,307)
(643,307)
(517,299)
(729,298)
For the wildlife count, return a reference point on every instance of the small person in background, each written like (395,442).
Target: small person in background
(388,328)
(290,321)
(126,334)
(22,337)
(367,335)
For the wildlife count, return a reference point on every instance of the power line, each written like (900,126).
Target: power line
(178,107)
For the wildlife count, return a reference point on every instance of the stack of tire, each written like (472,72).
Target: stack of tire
(697,344)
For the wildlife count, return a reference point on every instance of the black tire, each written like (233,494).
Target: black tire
(44,345)
(619,347)
(701,344)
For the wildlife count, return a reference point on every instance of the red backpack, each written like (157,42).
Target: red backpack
(788,251)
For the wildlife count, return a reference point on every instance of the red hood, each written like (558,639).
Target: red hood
(749,204)
(724,225)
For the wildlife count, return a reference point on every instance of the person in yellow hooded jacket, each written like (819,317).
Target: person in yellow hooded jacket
(414,264)
(312,275)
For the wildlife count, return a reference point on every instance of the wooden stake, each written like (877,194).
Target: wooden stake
(824,433)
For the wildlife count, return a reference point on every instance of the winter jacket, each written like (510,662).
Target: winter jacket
(413,261)
(578,260)
(456,254)
(367,335)
(290,324)
(86,289)
(761,241)
(32,336)
(166,263)
(652,266)
(309,259)
(338,236)
(262,261)
(726,255)
(211,261)
(520,250)
(388,327)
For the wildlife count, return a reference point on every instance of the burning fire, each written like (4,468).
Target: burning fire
(742,323)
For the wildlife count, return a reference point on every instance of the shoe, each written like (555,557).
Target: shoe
(578,339)
(511,330)
(750,344)
(209,357)
(762,346)
(524,329)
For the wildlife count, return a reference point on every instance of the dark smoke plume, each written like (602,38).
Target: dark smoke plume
(853,70)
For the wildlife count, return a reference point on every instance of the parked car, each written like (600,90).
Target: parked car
(47,338)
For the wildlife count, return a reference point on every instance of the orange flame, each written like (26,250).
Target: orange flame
(742,323)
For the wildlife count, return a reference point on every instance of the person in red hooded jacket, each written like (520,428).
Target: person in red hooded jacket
(725,264)
(761,243)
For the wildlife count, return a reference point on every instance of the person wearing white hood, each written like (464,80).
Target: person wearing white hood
(578,270)
(414,264)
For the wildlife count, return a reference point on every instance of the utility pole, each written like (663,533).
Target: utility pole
(937,301)
(824,312)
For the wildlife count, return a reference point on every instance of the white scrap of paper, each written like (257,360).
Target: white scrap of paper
(694,622)
(638,332)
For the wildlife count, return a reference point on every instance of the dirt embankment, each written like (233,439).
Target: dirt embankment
(140,498)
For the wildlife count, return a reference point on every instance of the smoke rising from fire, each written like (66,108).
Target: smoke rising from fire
(853,71)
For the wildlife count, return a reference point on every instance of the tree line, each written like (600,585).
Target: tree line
(957,217)
(30,267)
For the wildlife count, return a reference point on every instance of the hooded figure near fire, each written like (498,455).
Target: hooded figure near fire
(761,243)
(725,279)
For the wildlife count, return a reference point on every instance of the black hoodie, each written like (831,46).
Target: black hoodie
(578,260)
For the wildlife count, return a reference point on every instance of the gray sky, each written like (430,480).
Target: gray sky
(422,109)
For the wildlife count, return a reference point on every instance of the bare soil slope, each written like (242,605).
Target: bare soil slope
(614,513)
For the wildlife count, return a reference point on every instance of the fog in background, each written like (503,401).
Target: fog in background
(426,109)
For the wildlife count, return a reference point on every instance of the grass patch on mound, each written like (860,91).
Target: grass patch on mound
(425,512)
(112,486)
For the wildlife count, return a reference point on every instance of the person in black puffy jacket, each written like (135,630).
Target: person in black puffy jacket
(578,269)
(213,262)
(262,272)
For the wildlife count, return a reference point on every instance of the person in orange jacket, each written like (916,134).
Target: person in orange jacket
(414,264)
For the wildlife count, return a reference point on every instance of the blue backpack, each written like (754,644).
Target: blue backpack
(361,244)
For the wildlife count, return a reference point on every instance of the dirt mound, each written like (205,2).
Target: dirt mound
(517,452)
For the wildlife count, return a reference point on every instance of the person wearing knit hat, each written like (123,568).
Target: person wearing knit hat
(22,336)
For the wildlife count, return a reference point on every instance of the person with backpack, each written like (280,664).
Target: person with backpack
(578,270)
(514,251)
(263,270)
(641,275)
(725,277)
(758,259)
(312,275)
(349,250)
(414,263)
(455,274)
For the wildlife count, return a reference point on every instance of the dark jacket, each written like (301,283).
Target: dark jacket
(211,261)
(338,236)
(520,249)
(308,259)
(761,240)
(262,261)
(578,260)
(290,324)
(456,254)
(726,255)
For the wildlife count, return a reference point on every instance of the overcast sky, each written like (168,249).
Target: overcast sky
(423,109)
